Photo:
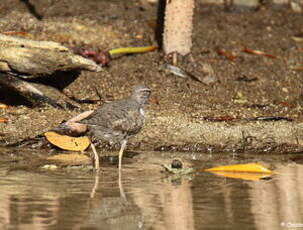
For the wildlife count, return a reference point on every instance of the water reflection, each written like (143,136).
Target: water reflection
(279,202)
(151,200)
(166,204)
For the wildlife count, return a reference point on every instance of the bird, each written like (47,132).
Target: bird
(117,121)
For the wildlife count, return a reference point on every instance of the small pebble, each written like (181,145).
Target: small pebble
(176,164)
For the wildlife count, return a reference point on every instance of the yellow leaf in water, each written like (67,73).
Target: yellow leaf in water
(243,176)
(67,142)
(248,168)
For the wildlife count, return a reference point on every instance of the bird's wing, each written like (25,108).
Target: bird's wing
(119,116)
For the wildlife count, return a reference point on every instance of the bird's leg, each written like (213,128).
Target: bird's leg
(96,157)
(122,193)
(123,146)
(96,184)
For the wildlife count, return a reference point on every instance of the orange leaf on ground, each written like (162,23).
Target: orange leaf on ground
(248,168)
(3,106)
(15,33)
(3,120)
(67,142)
(297,68)
(243,176)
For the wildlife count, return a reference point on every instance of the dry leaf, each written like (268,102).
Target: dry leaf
(67,142)
(3,106)
(3,120)
(15,33)
(258,52)
(71,159)
(297,68)
(243,176)
(297,38)
(247,168)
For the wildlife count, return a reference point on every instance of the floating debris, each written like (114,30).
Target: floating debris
(177,164)
(176,167)
(247,168)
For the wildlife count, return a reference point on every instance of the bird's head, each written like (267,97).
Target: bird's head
(141,94)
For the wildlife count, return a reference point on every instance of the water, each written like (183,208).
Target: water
(149,199)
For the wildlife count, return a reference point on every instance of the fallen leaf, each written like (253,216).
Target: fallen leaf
(3,106)
(297,68)
(271,118)
(132,50)
(247,168)
(15,33)
(258,52)
(67,142)
(3,120)
(297,38)
(221,118)
(243,176)
(239,98)
(71,159)
(228,55)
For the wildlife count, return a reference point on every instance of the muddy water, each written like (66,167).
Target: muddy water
(147,198)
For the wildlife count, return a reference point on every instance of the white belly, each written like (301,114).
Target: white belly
(141,111)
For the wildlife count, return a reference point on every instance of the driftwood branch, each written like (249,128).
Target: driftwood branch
(33,94)
(36,58)
(23,59)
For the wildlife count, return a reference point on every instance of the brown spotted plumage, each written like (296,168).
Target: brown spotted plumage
(117,121)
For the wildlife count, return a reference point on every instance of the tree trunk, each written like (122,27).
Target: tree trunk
(178,26)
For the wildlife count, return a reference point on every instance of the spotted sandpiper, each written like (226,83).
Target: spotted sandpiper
(116,122)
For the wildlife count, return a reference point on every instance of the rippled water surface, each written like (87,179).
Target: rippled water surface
(147,198)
